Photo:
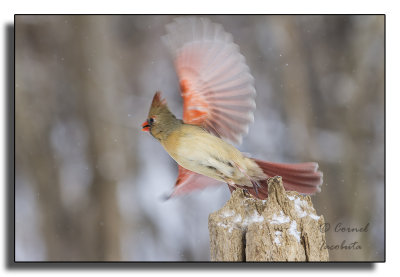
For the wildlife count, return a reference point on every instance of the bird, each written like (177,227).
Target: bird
(218,105)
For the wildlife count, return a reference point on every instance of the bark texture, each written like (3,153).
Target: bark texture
(283,228)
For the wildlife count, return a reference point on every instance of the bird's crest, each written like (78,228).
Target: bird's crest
(158,101)
(158,105)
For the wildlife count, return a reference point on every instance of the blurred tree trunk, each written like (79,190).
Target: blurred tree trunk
(70,234)
(34,158)
(98,101)
(342,37)
(34,155)
(360,124)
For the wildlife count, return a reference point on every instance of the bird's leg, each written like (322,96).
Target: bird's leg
(255,184)
(231,184)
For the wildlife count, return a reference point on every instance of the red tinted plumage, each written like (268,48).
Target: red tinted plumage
(216,86)
(301,177)
(188,181)
(218,94)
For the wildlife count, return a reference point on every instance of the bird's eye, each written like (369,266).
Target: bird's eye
(151,120)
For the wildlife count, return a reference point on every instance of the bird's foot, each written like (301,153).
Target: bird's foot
(256,185)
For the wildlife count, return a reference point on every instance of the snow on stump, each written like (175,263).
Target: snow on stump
(284,227)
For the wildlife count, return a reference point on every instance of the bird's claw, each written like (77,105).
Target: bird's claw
(256,185)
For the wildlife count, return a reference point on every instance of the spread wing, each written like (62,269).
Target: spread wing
(189,181)
(216,85)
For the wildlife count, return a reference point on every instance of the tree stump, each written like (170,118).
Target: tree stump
(284,227)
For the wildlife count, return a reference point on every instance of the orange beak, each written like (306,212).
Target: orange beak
(146,126)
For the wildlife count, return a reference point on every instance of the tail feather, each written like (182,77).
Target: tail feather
(302,177)
(299,167)
(305,178)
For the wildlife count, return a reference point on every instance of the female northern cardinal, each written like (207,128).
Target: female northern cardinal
(218,103)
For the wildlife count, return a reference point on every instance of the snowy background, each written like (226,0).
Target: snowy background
(89,185)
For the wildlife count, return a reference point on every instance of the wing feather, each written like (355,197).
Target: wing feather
(189,181)
(216,84)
